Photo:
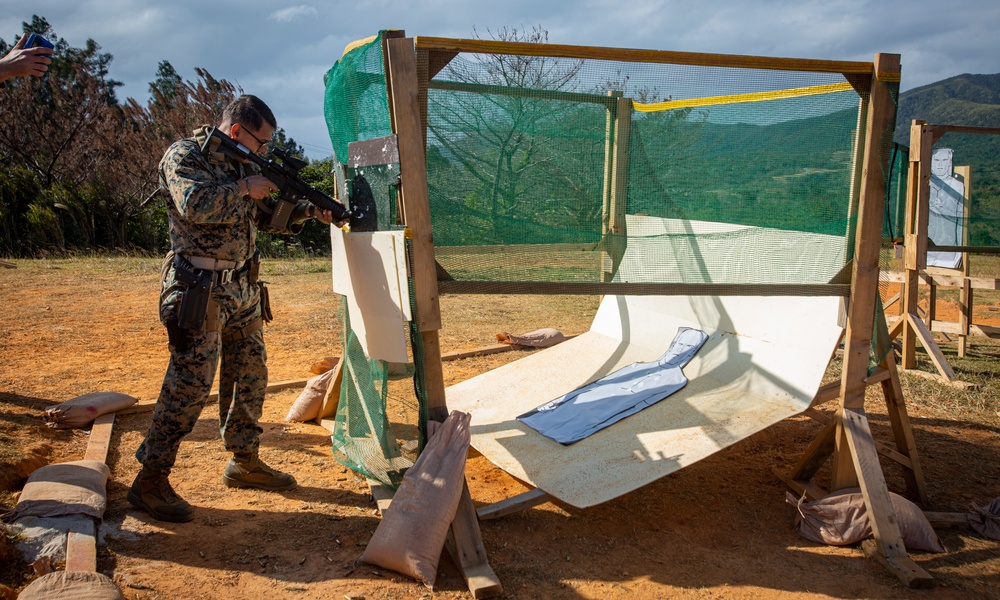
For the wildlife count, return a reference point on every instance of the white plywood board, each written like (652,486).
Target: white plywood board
(370,270)
(763,362)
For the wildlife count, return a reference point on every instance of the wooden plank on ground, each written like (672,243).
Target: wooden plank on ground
(214,396)
(902,567)
(100,438)
(513,504)
(945,520)
(465,544)
(382,494)
(486,350)
(81,549)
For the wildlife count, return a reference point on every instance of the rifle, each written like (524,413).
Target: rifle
(361,216)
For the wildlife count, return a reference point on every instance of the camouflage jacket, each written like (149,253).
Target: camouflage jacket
(206,213)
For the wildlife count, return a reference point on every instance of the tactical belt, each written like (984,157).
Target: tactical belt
(244,332)
(225,270)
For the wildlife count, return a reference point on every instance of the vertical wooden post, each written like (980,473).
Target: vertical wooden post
(617,187)
(465,538)
(915,258)
(965,294)
(852,422)
(864,287)
(402,79)
(610,122)
(931,313)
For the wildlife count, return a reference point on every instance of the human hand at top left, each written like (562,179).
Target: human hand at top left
(25,61)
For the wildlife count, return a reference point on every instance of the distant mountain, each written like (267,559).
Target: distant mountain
(961,100)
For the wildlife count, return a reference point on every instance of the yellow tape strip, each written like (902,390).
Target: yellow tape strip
(737,98)
(358,43)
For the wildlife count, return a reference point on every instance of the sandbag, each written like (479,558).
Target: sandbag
(413,530)
(985,520)
(841,519)
(82,410)
(72,585)
(71,488)
(541,338)
(307,406)
(325,364)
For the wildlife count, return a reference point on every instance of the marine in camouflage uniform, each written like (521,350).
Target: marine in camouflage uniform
(216,205)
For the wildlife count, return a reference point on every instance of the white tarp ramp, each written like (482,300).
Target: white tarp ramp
(763,362)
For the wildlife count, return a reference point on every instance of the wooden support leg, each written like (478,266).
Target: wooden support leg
(931,304)
(933,350)
(902,431)
(909,338)
(887,546)
(513,504)
(465,544)
(964,316)
(843,473)
(818,451)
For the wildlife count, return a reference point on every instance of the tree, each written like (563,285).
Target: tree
(167,85)
(502,131)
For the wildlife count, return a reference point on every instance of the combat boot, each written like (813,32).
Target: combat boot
(152,493)
(247,470)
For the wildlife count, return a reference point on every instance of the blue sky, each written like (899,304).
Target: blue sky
(280,50)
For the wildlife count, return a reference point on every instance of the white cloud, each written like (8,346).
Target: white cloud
(287,15)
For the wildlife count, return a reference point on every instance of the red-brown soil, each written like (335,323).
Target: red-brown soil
(717,529)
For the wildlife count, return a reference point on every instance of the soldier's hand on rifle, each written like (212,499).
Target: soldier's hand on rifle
(323,216)
(256,187)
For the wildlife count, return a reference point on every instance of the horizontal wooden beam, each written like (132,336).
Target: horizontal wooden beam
(644,56)
(946,520)
(643,289)
(939,130)
(944,280)
(513,504)
(970,249)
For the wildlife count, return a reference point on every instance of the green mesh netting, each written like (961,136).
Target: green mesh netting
(355,105)
(381,420)
(589,171)
(380,425)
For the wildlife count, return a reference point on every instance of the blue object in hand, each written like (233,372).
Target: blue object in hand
(37,40)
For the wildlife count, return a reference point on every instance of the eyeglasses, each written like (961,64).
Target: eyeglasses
(261,145)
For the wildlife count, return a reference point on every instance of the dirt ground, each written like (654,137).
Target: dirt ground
(717,529)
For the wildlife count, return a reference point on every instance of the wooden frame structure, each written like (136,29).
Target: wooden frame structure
(847,438)
(910,326)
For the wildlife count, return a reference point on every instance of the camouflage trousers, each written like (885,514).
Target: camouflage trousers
(194,357)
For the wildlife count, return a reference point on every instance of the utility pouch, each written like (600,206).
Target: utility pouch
(265,303)
(253,275)
(194,300)
(282,213)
